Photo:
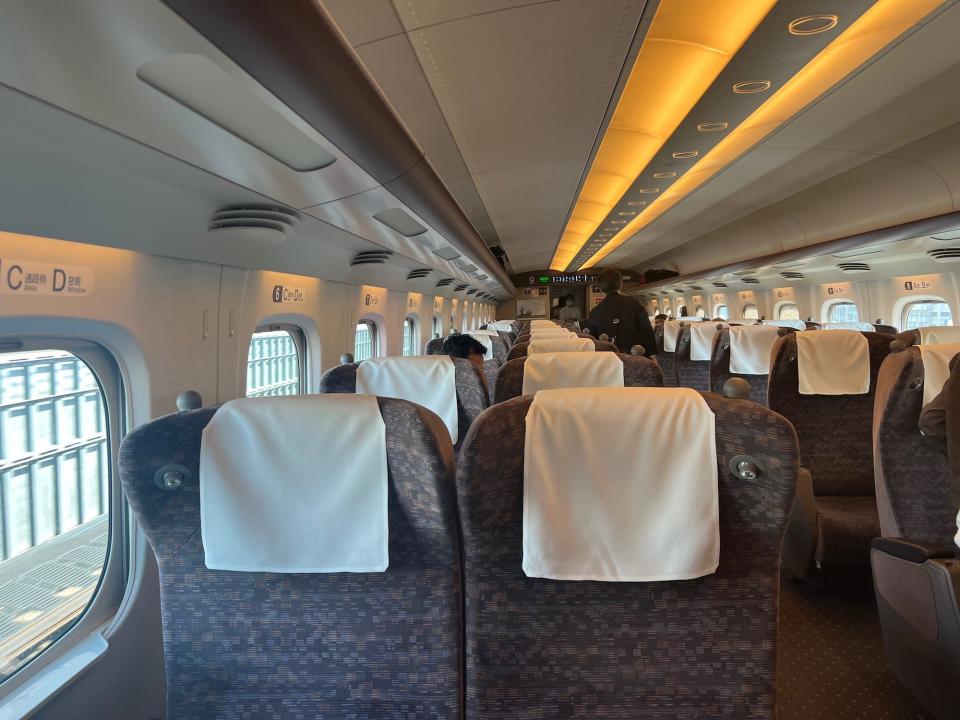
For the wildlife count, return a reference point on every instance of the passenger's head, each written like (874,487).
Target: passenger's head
(610,281)
(464,346)
(683,311)
(568,300)
(660,318)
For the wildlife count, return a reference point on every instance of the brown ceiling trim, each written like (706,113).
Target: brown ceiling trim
(296,51)
(891,234)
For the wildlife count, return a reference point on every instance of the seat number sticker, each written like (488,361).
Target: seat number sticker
(29,277)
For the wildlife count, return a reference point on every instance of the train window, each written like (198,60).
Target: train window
(276,361)
(55,498)
(668,311)
(841,312)
(365,340)
(437,326)
(409,339)
(721,311)
(788,311)
(750,312)
(700,311)
(926,313)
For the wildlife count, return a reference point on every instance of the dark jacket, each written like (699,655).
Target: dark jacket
(940,418)
(624,319)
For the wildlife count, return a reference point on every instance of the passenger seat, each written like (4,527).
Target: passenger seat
(836,513)
(292,644)
(701,647)
(754,345)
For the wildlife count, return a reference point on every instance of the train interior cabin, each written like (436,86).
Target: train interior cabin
(479,359)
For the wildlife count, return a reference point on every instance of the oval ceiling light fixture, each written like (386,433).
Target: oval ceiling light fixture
(618,222)
(665,173)
(812,24)
(712,126)
(628,213)
(749,87)
(685,155)
(648,190)
(637,203)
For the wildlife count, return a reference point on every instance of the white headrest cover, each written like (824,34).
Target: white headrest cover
(833,362)
(552,345)
(428,380)
(543,323)
(750,348)
(502,325)
(936,367)
(620,484)
(701,340)
(795,324)
(939,335)
(671,333)
(544,333)
(295,485)
(548,371)
(861,326)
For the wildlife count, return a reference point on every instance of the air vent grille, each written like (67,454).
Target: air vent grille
(696,287)
(444,282)
(371,257)
(719,284)
(261,222)
(853,267)
(458,288)
(945,255)
(792,275)
(419,273)
(750,281)
(471,291)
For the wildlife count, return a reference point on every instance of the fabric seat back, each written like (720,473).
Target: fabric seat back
(637,372)
(690,373)
(472,395)
(720,370)
(912,475)
(433,347)
(294,645)
(665,359)
(835,431)
(540,648)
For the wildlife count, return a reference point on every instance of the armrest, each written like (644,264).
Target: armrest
(912,550)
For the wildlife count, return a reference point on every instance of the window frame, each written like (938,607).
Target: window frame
(700,312)
(786,304)
(832,304)
(718,314)
(300,343)
(437,327)
(414,339)
(743,311)
(103,608)
(931,300)
(374,338)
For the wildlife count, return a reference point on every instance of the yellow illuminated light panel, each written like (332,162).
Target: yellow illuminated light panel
(687,46)
(874,30)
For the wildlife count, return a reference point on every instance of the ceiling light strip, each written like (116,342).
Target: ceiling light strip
(879,26)
(688,45)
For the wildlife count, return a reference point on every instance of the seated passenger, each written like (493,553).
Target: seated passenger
(937,420)
(465,346)
(933,417)
(621,317)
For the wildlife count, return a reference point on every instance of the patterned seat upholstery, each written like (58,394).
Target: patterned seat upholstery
(433,346)
(490,370)
(665,359)
(690,373)
(912,504)
(703,648)
(519,349)
(720,370)
(837,519)
(500,350)
(637,372)
(284,646)
(472,395)
(915,590)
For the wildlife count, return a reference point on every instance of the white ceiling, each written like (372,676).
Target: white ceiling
(506,97)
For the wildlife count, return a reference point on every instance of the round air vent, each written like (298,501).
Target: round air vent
(851,268)
(419,273)
(371,257)
(750,281)
(259,223)
(444,282)
(458,288)
(792,275)
(720,285)
(945,255)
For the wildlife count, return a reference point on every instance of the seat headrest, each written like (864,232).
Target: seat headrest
(701,339)
(671,333)
(428,380)
(295,484)
(620,484)
(939,335)
(751,347)
(552,345)
(795,324)
(548,371)
(936,367)
(833,362)
(861,326)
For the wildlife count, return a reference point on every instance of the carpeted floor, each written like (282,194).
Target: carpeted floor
(831,662)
